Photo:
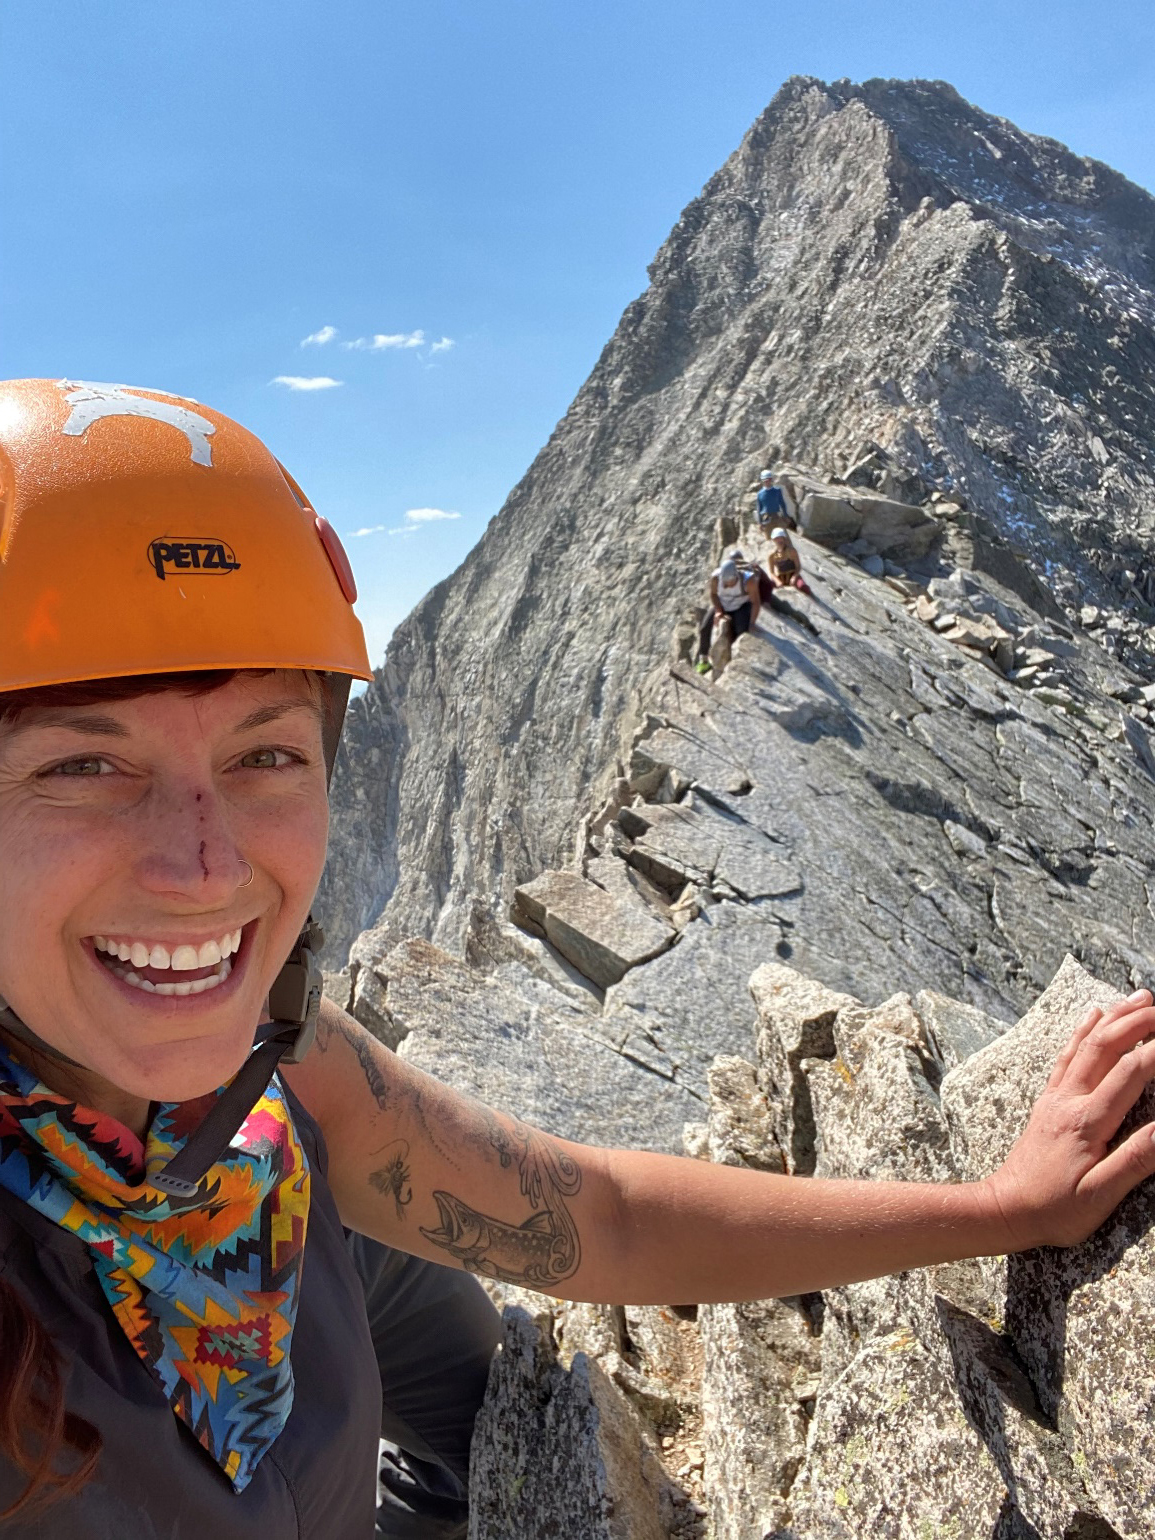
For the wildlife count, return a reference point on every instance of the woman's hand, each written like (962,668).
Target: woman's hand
(1063,1178)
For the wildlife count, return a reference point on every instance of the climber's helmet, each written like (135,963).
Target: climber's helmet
(767,476)
(142,533)
(728,573)
(779,534)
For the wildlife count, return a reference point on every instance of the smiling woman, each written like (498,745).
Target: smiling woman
(190,1341)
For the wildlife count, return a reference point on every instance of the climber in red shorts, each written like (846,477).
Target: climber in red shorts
(783,563)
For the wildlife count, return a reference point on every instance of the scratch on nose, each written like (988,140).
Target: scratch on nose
(204,868)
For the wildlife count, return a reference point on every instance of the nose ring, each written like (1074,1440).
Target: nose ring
(250,876)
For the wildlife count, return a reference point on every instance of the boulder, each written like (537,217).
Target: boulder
(571,1462)
(954,1030)
(876,1114)
(761,1360)
(761,1375)
(891,528)
(795,1023)
(601,934)
(1076,1315)
(892,1453)
(369,1005)
(877,1118)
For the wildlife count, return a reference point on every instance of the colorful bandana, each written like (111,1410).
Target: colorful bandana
(205,1288)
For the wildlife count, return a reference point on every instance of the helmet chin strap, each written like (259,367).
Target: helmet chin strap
(16,1028)
(294,1003)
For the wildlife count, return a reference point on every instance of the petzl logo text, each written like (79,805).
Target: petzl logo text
(171,554)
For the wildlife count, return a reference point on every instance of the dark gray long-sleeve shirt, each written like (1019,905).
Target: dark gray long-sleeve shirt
(153,1480)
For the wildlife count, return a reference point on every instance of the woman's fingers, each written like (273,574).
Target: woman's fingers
(1068,1053)
(1101,1048)
(1109,1182)
(1118,1091)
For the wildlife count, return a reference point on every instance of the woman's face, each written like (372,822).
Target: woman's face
(133,826)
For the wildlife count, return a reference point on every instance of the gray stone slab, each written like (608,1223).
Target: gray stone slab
(527,1053)
(677,1012)
(602,934)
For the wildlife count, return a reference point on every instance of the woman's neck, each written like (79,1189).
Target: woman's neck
(81,1085)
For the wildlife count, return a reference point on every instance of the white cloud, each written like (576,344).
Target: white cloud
(306,382)
(380,342)
(416,517)
(443,346)
(318,339)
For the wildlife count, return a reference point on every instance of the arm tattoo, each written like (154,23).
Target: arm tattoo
(392,1179)
(544,1248)
(374,1079)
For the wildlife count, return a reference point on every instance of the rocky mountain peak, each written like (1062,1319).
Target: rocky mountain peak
(831,905)
(883,284)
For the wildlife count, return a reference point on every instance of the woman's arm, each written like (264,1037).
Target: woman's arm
(429,1171)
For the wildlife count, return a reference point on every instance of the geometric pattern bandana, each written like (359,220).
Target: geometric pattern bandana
(205,1288)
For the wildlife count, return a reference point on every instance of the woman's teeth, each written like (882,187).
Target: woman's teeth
(216,954)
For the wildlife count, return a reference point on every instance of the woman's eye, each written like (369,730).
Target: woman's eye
(87,765)
(267,759)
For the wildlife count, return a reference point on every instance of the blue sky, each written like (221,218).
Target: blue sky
(190,191)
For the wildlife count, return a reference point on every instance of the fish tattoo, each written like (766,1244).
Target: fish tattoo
(540,1251)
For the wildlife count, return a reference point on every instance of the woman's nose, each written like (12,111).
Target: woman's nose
(189,849)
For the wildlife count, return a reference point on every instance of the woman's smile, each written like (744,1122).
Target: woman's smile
(172,969)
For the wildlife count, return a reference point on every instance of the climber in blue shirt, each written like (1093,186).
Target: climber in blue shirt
(772,507)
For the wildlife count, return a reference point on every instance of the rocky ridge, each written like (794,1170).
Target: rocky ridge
(807,916)
(859,803)
(1001,1398)
(883,283)
(860,794)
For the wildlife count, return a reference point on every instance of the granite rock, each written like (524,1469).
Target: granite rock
(527,1051)
(602,934)
(1077,1315)
(883,286)
(572,1463)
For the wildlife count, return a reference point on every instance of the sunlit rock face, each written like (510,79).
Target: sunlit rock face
(876,265)
(783,913)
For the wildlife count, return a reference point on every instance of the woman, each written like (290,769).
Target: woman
(784,564)
(185,1337)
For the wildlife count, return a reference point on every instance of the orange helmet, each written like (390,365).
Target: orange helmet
(142,533)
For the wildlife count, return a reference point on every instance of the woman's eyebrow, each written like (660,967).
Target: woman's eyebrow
(91,726)
(264,714)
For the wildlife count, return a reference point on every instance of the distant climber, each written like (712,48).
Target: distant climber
(772,505)
(784,563)
(735,597)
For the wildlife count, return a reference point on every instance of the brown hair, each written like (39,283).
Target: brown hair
(94,692)
(55,1449)
(36,1429)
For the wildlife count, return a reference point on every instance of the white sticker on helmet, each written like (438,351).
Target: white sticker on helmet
(91,401)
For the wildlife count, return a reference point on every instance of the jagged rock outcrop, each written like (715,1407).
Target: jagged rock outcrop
(883,284)
(1009,1398)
